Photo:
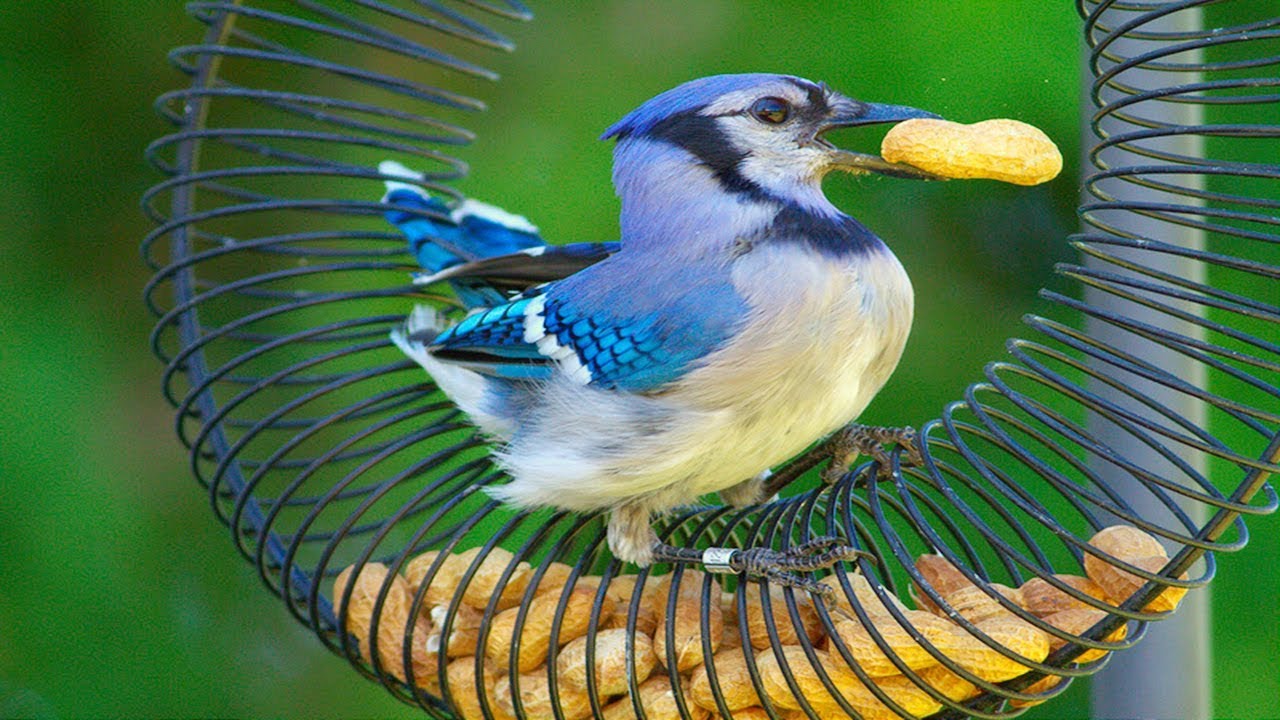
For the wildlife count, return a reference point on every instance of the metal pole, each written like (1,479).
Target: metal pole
(1168,674)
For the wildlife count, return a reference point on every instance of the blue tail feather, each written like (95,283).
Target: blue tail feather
(441,237)
(430,242)
(465,237)
(487,255)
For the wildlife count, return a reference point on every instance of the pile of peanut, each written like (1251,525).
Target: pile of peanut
(427,646)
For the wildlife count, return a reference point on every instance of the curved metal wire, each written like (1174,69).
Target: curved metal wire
(322,448)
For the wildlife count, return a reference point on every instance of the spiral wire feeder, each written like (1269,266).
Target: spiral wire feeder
(277,282)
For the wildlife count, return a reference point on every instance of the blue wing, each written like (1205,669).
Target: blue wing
(516,273)
(605,319)
(618,324)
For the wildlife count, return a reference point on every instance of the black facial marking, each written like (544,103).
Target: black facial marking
(836,236)
(700,135)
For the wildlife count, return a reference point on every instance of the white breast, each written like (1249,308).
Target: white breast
(823,338)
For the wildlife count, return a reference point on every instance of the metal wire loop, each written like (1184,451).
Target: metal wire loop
(276,283)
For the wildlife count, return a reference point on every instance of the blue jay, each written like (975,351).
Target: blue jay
(741,317)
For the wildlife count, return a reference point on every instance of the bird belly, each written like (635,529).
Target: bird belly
(824,338)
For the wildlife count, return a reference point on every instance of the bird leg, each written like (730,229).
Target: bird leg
(854,440)
(778,566)
(632,539)
(630,534)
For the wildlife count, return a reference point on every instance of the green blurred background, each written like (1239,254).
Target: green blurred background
(119,593)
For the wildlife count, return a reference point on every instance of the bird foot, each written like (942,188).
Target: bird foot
(847,444)
(777,566)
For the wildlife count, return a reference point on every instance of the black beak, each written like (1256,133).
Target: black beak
(851,113)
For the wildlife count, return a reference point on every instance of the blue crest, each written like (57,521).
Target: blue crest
(685,98)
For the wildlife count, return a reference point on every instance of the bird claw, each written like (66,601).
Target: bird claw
(813,555)
(822,544)
(847,444)
(777,566)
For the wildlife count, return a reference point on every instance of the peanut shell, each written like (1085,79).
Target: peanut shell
(364,595)
(1076,621)
(535,698)
(1139,549)
(393,624)
(902,691)
(810,686)
(1120,585)
(732,680)
(732,637)
(484,582)
(863,593)
(1041,598)
(1125,542)
(1000,149)
(875,662)
(1008,631)
(659,703)
(1166,601)
(687,624)
(949,684)
(1045,683)
(622,589)
(466,697)
(464,632)
(898,688)
(944,577)
(554,578)
(780,617)
(610,661)
(415,571)
(975,605)
(535,634)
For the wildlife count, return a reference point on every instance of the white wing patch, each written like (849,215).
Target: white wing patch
(534,329)
(535,333)
(492,213)
(392,168)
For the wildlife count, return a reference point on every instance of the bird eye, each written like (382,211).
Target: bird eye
(771,110)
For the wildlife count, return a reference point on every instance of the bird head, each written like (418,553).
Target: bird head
(762,135)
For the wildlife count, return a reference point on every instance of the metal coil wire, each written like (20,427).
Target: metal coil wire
(276,283)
